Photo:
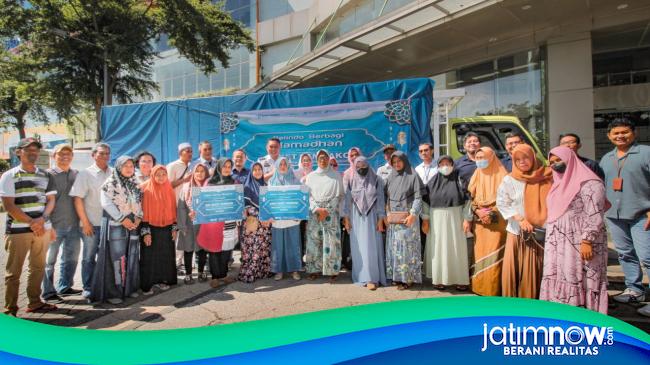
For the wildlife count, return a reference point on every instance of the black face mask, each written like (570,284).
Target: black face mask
(559,167)
(363,171)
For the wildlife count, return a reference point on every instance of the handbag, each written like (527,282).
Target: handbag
(397,217)
(538,236)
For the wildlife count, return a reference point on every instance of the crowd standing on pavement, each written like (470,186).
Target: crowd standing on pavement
(539,229)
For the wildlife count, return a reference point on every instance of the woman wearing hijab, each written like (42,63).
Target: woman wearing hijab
(404,201)
(286,237)
(334,165)
(219,238)
(446,247)
(306,167)
(363,217)
(256,238)
(575,256)
(348,174)
(157,254)
(521,199)
(187,231)
(117,273)
(489,226)
(323,228)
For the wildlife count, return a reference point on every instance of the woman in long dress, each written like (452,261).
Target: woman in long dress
(187,230)
(348,174)
(286,238)
(323,228)
(157,253)
(521,199)
(117,273)
(256,238)
(575,256)
(219,238)
(403,248)
(363,217)
(446,248)
(489,225)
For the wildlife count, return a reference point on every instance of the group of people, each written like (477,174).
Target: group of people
(539,229)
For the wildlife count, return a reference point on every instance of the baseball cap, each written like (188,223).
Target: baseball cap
(183,146)
(63,146)
(26,142)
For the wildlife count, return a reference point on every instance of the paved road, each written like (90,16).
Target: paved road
(199,305)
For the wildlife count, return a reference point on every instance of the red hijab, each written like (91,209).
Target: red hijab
(158,200)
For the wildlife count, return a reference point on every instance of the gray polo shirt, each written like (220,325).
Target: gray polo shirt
(634,200)
(64,215)
(88,187)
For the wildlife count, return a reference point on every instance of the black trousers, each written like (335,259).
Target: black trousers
(219,263)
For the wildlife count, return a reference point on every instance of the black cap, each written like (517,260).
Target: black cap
(26,142)
(389,147)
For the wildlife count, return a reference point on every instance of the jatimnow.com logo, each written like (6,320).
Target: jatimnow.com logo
(547,340)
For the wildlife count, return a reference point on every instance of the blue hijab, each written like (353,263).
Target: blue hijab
(288,178)
(252,187)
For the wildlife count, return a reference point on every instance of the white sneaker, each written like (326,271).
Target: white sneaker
(163,286)
(644,311)
(134,294)
(150,292)
(114,300)
(630,296)
(278,276)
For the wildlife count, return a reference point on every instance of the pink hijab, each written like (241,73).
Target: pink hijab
(566,185)
(349,172)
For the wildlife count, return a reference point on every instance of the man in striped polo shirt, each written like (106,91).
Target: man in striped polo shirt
(28,196)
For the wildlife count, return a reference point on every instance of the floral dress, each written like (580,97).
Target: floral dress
(324,241)
(255,251)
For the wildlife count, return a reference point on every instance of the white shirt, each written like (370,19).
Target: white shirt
(426,172)
(268,164)
(175,170)
(384,171)
(510,201)
(88,186)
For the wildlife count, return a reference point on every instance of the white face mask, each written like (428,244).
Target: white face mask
(481,164)
(446,170)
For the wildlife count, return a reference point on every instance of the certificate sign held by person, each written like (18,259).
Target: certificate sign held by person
(284,202)
(218,203)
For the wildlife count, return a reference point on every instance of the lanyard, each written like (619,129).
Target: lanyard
(619,166)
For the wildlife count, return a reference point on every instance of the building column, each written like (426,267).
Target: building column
(570,90)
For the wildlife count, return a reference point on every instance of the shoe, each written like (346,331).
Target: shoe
(134,294)
(188,280)
(214,283)
(630,296)
(114,300)
(86,294)
(70,291)
(150,292)
(371,286)
(228,280)
(163,286)
(42,307)
(278,276)
(644,311)
(203,277)
(296,276)
(53,299)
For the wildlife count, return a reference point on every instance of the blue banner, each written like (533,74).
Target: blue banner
(335,128)
(284,202)
(218,203)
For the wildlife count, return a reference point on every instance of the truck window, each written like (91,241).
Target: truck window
(492,135)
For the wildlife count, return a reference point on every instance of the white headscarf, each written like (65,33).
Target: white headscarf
(324,184)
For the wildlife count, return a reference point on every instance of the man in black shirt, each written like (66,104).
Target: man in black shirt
(572,141)
(466,165)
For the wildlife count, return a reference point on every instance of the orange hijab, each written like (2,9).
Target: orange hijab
(485,182)
(538,183)
(158,200)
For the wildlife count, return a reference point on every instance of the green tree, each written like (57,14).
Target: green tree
(22,91)
(78,37)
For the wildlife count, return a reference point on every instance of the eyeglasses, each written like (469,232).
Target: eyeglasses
(423,151)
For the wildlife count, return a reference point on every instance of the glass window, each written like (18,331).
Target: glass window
(203,83)
(233,78)
(218,80)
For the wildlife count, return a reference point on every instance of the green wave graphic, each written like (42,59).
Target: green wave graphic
(74,345)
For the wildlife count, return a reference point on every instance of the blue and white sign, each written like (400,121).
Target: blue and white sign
(335,128)
(218,203)
(284,202)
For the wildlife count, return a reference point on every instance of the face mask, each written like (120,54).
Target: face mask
(363,171)
(446,170)
(559,167)
(481,164)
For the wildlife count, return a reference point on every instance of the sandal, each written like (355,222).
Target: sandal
(188,280)
(43,307)
(371,286)
(333,279)
(439,287)
(403,286)
(312,277)
(203,277)
(462,287)
(214,283)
